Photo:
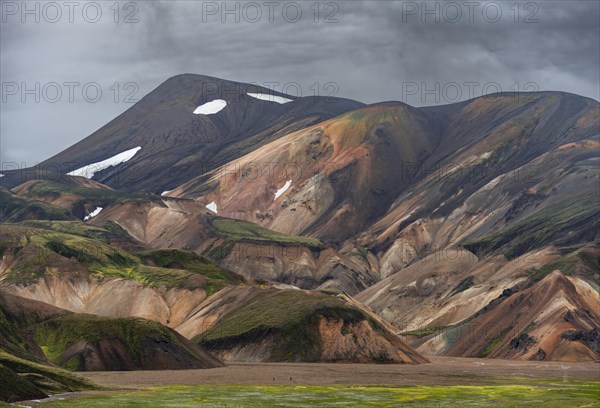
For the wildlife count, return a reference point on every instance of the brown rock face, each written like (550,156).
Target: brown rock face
(359,343)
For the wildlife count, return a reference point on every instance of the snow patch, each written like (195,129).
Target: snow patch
(270,98)
(165,192)
(91,169)
(283,189)
(1,175)
(212,206)
(93,214)
(212,107)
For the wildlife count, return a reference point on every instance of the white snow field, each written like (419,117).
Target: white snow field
(89,170)
(210,108)
(270,98)
(212,206)
(283,189)
(93,213)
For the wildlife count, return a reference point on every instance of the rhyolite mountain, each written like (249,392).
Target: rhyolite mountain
(470,229)
(177,144)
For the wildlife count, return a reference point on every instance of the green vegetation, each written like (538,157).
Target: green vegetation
(41,251)
(220,252)
(77,228)
(568,264)
(38,248)
(11,337)
(289,315)
(244,231)
(190,261)
(55,336)
(23,379)
(14,209)
(363,251)
(52,189)
(79,197)
(544,227)
(13,387)
(424,332)
(183,269)
(552,395)
(331,291)
(494,342)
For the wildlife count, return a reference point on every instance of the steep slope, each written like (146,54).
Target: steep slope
(555,319)
(79,342)
(517,188)
(250,324)
(86,274)
(22,376)
(14,208)
(79,195)
(16,314)
(243,247)
(514,156)
(165,139)
(22,379)
(462,306)
(92,343)
(440,217)
(397,163)
(329,180)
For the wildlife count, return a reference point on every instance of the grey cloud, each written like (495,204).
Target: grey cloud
(370,53)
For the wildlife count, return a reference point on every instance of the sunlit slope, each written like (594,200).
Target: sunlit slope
(252,324)
(342,173)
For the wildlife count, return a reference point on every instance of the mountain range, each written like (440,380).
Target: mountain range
(219,221)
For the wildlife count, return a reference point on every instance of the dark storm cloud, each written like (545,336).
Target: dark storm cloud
(375,51)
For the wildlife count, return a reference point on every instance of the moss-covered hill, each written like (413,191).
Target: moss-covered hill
(14,208)
(36,337)
(77,195)
(94,343)
(23,372)
(296,325)
(243,231)
(35,249)
(22,379)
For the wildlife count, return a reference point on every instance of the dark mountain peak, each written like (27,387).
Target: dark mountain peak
(188,125)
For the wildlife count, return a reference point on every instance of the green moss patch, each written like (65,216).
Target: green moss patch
(244,231)
(547,226)
(510,394)
(185,269)
(14,209)
(55,336)
(23,379)
(73,246)
(290,316)
(55,190)
(425,331)
(568,265)
(78,228)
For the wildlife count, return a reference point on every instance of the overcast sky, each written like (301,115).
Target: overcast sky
(419,53)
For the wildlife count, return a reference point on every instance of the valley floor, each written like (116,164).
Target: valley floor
(444,382)
(442,371)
